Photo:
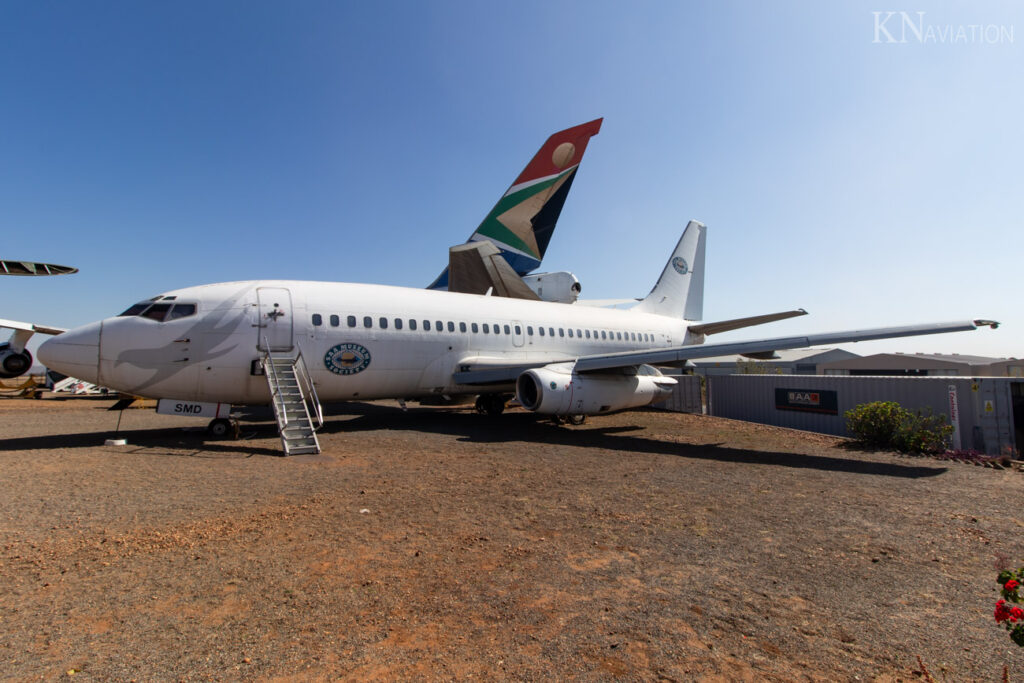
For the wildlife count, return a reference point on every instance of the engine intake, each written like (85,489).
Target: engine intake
(557,389)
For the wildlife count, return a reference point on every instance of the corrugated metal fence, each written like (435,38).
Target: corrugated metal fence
(685,396)
(980,408)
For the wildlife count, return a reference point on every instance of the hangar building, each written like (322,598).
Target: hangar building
(789,362)
(924,364)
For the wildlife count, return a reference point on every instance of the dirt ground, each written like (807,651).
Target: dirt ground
(440,544)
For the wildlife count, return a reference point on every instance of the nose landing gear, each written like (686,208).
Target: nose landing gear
(222,428)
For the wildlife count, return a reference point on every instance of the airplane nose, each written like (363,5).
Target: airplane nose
(75,353)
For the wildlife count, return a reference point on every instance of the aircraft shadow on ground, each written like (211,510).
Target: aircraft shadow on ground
(151,440)
(467,426)
(528,428)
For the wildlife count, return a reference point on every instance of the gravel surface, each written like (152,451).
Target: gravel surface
(440,544)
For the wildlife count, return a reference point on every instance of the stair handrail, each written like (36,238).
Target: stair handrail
(275,397)
(303,376)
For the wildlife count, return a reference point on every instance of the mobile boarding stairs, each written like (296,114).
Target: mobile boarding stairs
(296,404)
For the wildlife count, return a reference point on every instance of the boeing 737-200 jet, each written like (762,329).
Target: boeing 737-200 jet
(293,344)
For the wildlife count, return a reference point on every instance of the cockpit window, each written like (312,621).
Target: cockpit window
(136,309)
(157,312)
(181,311)
(160,312)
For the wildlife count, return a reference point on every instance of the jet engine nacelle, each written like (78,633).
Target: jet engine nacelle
(561,287)
(557,389)
(14,363)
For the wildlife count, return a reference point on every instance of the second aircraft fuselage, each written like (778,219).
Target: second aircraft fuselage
(358,341)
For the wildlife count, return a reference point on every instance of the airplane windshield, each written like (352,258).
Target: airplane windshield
(160,312)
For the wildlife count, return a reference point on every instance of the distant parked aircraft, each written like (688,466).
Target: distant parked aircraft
(15,360)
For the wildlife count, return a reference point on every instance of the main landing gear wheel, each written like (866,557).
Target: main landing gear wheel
(222,428)
(490,404)
(576,419)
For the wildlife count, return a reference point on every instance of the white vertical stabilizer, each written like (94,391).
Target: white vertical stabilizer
(679,292)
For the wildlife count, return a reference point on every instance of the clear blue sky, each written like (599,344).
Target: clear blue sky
(160,145)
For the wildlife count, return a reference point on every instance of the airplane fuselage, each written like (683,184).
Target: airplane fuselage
(359,341)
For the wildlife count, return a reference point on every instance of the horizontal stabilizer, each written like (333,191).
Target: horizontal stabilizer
(476,267)
(739,323)
(30,327)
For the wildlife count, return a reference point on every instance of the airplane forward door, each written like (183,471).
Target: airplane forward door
(276,327)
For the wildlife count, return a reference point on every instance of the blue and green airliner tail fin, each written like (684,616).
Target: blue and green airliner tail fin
(521,223)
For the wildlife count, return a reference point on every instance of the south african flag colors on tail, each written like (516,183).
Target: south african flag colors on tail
(522,221)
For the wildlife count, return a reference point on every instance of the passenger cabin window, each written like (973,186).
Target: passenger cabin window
(487,329)
(451,326)
(579,333)
(398,323)
(367,322)
(561,331)
(508,330)
(412,323)
(383,323)
(426,325)
(570,331)
(603,335)
(318,320)
(529,330)
(588,334)
(462,327)
(541,330)
(618,335)
(335,321)
(351,321)
(474,327)
(551,331)
(440,326)
(519,330)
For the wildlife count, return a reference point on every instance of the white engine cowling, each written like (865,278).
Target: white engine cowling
(557,389)
(561,287)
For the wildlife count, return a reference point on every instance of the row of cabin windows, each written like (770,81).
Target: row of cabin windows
(486,328)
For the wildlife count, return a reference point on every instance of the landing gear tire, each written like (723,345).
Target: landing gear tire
(222,428)
(490,404)
(576,419)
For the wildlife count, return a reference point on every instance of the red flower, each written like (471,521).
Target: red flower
(1002,613)
(1011,585)
(1016,614)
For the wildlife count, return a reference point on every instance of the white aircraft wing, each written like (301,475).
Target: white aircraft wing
(677,356)
(30,327)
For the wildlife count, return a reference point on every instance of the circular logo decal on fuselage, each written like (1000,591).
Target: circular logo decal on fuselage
(347,359)
(680,265)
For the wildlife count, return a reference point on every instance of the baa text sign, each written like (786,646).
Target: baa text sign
(807,401)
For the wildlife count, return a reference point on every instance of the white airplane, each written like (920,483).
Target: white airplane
(520,225)
(15,360)
(292,344)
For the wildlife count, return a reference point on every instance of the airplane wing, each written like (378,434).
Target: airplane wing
(30,327)
(677,356)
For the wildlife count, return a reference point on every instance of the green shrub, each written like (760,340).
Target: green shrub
(876,423)
(887,424)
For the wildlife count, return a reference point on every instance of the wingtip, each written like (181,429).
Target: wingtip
(993,324)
